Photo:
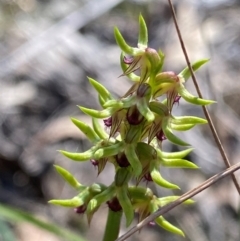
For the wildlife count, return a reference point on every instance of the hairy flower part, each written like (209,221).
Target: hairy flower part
(101,164)
(133,62)
(171,98)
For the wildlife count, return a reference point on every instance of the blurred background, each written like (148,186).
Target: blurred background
(47,50)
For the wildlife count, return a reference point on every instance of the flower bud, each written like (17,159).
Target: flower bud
(154,59)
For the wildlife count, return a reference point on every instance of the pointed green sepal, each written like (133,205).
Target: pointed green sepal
(191,98)
(143,33)
(181,127)
(188,120)
(102,91)
(123,45)
(170,136)
(74,202)
(159,180)
(178,163)
(84,156)
(162,222)
(108,151)
(99,129)
(186,72)
(77,201)
(174,155)
(97,113)
(114,103)
(101,101)
(87,130)
(166,200)
(68,177)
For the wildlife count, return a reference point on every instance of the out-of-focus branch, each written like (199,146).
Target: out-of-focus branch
(70,24)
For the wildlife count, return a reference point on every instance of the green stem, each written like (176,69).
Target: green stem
(112,226)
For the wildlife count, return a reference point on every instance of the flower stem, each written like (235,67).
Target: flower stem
(113,225)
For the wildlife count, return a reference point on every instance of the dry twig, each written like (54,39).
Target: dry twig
(208,117)
(180,200)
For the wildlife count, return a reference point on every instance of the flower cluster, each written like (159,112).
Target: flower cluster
(138,123)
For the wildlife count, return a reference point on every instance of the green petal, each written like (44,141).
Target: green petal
(96,113)
(166,200)
(99,129)
(102,91)
(68,177)
(113,103)
(174,155)
(181,127)
(143,33)
(186,72)
(161,221)
(75,202)
(108,151)
(188,120)
(123,45)
(84,156)
(178,163)
(170,136)
(191,98)
(158,179)
(87,130)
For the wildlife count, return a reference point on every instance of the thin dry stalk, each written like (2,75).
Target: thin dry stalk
(180,200)
(208,117)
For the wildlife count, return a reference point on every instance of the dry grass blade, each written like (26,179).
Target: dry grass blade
(208,117)
(181,199)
